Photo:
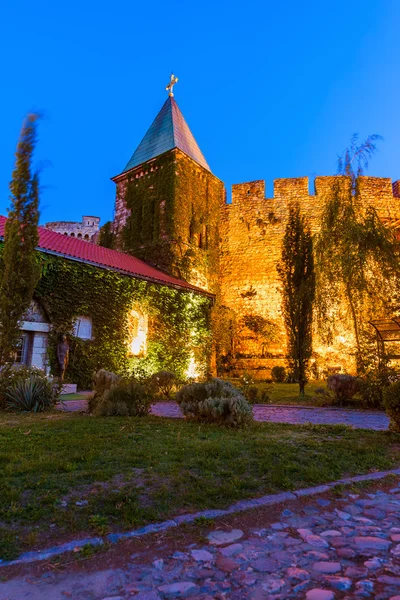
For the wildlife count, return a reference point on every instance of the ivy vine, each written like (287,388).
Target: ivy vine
(179,321)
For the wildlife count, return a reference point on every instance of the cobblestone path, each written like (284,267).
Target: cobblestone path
(347,548)
(363,419)
(299,415)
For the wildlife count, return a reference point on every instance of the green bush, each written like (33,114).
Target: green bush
(102,381)
(343,386)
(124,399)
(373,383)
(163,383)
(252,394)
(10,375)
(278,374)
(215,401)
(33,394)
(391,400)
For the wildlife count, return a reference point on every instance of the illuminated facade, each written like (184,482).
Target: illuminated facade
(230,249)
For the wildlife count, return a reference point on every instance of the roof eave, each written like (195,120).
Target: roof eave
(176,286)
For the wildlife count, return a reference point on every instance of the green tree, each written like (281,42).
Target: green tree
(106,237)
(19,270)
(296,272)
(356,258)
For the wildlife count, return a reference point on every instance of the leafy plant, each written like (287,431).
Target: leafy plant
(343,386)
(12,374)
(252,394)
(163,382)
(215,401)
(102,381)
(376,373)
(391,399)
(278,374)
(125,398)
(34,394)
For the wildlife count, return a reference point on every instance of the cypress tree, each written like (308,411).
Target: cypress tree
(296,272)
(19,272)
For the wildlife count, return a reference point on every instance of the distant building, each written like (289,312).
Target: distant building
(87,230)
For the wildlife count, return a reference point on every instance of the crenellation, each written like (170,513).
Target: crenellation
(87,230)
(291,188)
(249,190)
(251,234)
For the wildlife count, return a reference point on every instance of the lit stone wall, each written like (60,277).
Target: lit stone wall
(87,229)
(251,233)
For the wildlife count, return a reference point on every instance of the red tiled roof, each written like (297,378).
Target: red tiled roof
(79,250)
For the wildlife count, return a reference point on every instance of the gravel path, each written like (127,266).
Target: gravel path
(347,548)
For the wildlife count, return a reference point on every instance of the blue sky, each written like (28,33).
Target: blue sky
(269,89)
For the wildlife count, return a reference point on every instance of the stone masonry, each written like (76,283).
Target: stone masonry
(243,240)
(251,232)
(87,229)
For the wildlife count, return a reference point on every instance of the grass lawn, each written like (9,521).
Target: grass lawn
(132,471)
(288,393)
(77,396)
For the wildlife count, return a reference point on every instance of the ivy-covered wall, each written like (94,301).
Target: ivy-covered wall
(167,213)
(179,321)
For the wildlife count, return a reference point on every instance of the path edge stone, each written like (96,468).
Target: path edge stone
(244,505)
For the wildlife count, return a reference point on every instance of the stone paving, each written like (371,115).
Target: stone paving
(359,419)
(348,548)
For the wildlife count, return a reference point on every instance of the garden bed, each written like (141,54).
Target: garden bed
(124,472)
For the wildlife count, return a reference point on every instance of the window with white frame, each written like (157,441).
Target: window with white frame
(83,328)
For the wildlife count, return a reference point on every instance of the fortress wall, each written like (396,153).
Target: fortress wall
(252,229)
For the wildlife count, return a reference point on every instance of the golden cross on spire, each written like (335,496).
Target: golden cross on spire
(173,80)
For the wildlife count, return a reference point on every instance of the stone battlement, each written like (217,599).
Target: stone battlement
(376,191)
(87,229)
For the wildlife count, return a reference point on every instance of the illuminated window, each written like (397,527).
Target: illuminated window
(137,333)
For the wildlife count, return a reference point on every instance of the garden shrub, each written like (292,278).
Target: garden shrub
(391,399)
(163,383)
(373,383)
(323,397)
(252,394)
(34,394)
(11,374)
(102,381)
(343,386)
(278,374)
(215,401)
(124,399)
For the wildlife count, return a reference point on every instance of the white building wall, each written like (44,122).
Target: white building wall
(39,350)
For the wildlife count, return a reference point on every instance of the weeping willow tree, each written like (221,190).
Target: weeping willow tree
(356,256)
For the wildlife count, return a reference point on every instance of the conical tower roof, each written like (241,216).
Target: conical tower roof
(169,130)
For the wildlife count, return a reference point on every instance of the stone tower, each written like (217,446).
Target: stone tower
(168,202)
